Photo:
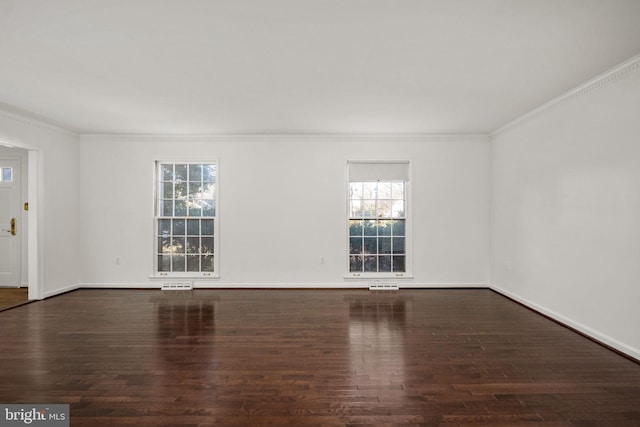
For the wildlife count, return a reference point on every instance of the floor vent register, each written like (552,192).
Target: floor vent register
(177,286)
(380,285)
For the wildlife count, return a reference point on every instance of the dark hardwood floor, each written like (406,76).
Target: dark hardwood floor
(13,297)
(309,358)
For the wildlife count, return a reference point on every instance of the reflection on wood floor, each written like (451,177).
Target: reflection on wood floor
(13,297)
(465,357)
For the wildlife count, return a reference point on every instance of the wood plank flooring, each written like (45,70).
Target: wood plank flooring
(309,358)
(13,297)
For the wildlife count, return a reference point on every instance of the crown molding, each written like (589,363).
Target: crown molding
(280,137)
(34,123)
(613,75)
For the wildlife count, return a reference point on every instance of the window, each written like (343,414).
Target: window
(378,218)
(186,222)
(6,174)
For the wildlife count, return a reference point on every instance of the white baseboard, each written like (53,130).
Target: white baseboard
(120,285)
(351,284)
(592,333)
(49,294)
(456,285)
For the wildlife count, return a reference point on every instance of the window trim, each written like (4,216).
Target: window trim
(408,273)
(215,274)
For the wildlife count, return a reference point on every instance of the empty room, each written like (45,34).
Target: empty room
(320,213)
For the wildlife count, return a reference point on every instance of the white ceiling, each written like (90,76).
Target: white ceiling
(302,66)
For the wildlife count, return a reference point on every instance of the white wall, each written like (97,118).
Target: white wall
(566,210)
(58,204)
(282,207)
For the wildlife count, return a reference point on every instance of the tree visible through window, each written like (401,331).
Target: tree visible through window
(186,218)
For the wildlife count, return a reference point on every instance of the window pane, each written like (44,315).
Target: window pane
(194,190)
(178,245)
(181,190)
(355,245)
(355,228)
(167,208)
(209,173)
(208,208)
(398,245)
(195,211)
(398,228)
(384,263)
(370,264)
(166,190)
(208,191)
(7,175)
(397,209)
(164,263)
(355,263)
(370,228)
(355,209)
(384,245)
(193,245)
(384,209)
(167,172)
(195,172)
(369,190)
(207,245)
(193,227)
(399,264)
(397,190)
(177,263)
(384,190)
(370,245)
(164,227)
(180,173)
(178,227)
(207,227)
(355,190)
(180,208)
(384,228)
(193,263)
(164,245)
(207,262)
(368,208)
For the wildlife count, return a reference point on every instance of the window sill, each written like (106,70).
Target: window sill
(183,276)
(377,276)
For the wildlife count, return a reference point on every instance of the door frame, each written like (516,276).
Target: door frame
(34,196)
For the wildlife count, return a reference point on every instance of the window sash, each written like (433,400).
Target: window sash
(185,221)
(378,223)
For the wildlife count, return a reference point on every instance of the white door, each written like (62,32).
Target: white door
(10,223)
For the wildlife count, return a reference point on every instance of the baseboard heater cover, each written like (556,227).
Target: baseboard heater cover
(380,285)
(177,286)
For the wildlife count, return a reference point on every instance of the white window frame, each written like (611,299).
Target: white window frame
(156,217)
(407,274)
